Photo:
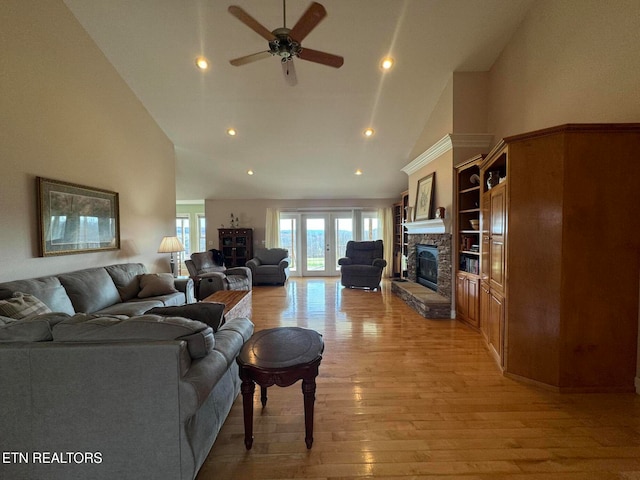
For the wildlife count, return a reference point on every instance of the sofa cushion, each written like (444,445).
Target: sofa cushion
(90,290)
(126,277)
(22,305)
(271,256)
(91,328)
(210,313)
(136,306)
(31,329)
(154,284)
(48,290)
(205,263)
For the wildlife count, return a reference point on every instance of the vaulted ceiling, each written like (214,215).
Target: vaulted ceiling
(304,141)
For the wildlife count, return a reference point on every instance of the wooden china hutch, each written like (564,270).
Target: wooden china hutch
(559,255)
(236,244)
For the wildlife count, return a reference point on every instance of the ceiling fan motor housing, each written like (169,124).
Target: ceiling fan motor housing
(284,46)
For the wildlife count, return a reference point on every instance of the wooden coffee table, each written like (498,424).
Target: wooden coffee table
(237,303)
(280,356)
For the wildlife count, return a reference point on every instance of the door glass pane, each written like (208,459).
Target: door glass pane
(202,233)
(370,229)
(315,243)
(344,233)
(288,240)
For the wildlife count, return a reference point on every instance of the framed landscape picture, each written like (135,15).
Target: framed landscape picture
(76,219)
(424,197)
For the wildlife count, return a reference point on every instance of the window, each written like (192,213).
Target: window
(202,233)
(370,226)
(183,232)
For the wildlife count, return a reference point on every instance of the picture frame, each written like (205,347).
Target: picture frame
(75,218)
(424,197)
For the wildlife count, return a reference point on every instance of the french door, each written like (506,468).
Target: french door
(324,238)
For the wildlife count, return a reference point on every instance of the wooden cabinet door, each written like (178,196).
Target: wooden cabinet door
(473,301)
(485,305)
(497,235)
(461,297)
(496,326)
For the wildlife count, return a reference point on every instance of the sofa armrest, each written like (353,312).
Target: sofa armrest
(253,263)
(186,286)
(379,262)
(119,399)
(344,261)
(284,263)
(244,271)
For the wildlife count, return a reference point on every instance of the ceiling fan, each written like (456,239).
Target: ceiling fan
(286,43)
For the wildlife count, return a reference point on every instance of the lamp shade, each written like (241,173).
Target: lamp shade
(170,245)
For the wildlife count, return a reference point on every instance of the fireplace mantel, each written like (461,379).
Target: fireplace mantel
(436,225)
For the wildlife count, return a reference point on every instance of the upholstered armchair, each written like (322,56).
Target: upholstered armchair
(363,264)
(270,265)
(209,274)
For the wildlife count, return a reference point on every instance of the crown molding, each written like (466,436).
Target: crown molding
(434,225)
(446,143)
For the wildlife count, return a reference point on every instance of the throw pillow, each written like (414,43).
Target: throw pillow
(92,328)
(210,313)
(154,284)
(22,305)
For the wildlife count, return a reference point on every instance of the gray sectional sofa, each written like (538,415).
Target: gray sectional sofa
(114,290)
(100,389)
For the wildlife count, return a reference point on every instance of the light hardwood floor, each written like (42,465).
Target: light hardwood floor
(399,396)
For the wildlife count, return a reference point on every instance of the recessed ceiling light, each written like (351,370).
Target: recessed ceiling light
(386,63)
(358,172)
(369,132)
(232,132)
(249,172)
(202,63)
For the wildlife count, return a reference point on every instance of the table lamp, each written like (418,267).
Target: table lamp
(171,245)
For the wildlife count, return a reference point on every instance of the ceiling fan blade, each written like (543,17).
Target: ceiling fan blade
(316,56)
(236,62)
(310,18)
(251,22)
(289,72)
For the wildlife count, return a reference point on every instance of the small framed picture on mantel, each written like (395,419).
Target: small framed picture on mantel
(424,197)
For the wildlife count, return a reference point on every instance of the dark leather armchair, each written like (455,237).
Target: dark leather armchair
(363,264)
(209,274)
(270,265)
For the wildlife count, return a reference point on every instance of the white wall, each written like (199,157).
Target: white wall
(569,62)
(439,123)
(66,114)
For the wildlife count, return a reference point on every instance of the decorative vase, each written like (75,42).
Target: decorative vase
(409,214)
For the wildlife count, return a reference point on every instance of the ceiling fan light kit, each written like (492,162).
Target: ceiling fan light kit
(286,43)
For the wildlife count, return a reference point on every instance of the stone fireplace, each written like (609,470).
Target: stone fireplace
(442,241)
(427,302)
